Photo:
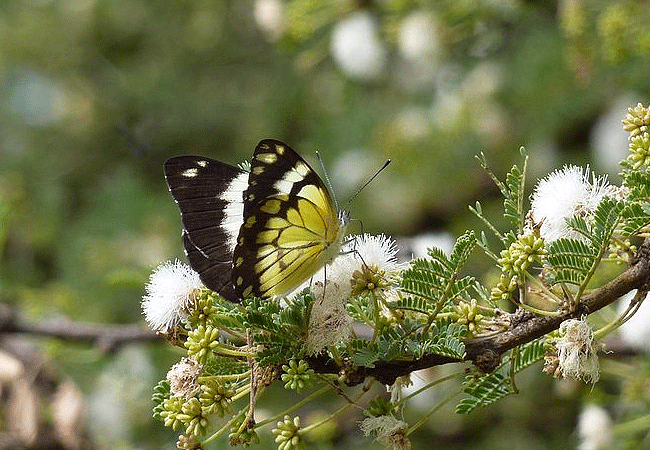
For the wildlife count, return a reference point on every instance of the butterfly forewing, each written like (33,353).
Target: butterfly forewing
(291,226)
(209,195)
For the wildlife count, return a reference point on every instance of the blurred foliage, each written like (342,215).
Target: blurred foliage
(96,94)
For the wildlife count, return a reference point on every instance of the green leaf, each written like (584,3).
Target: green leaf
(417,304)
(489,388)
(636,216)
(571,260)
(431,277)
(513,203)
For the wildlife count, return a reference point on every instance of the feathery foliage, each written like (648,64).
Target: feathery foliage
(435,279)
(488,388)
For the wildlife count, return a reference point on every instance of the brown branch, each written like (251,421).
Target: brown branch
(106,337)
(485,353)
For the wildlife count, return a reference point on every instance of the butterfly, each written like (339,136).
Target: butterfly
(260,232)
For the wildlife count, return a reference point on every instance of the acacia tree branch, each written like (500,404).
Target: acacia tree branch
(106,337)
(485,352)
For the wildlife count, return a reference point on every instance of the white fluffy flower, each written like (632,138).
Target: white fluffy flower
(594,428)
(369,249)
(329,322)
(183,378)
(356,46)
(577,351)
(388,431)
(571,191)
(169,295)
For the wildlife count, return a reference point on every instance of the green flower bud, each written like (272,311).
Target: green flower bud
(215,397)
(297,376)
(201,342)
(288,434)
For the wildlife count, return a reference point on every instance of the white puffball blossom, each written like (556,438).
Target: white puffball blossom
(571,191)
(594,428)
(388,430)
(357,48)
(576,351)
(169,295)
(375,249)
(329,321)
(183,378)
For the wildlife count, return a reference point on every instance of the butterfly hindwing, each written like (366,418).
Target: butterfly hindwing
(290,228)
(209,195)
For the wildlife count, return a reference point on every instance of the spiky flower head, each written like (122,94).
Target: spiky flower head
(183,377)
(563,194)
(577,352)
(469,315)
(377,267)
(188,442)
(505,288)
(192,414)
(201,342)
(170,292)
(636,120)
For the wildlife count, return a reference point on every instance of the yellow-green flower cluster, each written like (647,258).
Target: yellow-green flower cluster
(637,120)
(201,342)
(639,147)
(215,397)
(188,442)
(505,288)
(636,123)
(297,376)
(239,436)
(288,434)
(179,412)
(469,316)
(521,253)
(514,261)
(203,309)
(370,279)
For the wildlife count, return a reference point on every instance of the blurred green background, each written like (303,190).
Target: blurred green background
(96,94)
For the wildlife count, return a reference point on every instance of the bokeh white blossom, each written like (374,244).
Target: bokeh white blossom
(357,47)
(594,428)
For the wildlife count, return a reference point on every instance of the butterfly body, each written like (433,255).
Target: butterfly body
(260,233)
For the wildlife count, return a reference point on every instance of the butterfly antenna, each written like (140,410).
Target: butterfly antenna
(327,179)
(367,183)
